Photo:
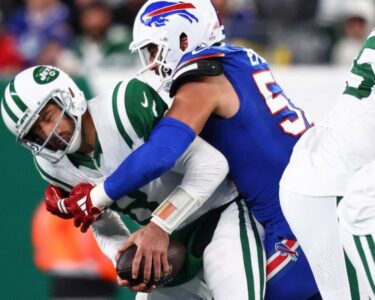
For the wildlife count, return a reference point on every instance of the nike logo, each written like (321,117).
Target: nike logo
(145,103)
(196,51)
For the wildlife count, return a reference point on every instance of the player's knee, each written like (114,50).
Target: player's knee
(221,266)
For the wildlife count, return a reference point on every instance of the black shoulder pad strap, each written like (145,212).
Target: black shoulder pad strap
(195,68)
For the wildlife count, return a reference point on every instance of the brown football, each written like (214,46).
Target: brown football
(176,259)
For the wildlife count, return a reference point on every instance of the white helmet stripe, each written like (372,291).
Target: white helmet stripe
(9,111)
(21,105)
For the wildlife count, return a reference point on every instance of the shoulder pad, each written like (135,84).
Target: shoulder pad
(202,53)
(194,68)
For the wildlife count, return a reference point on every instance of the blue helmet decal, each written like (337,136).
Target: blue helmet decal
(156,14)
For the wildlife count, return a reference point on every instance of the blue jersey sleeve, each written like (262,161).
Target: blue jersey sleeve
(167,142)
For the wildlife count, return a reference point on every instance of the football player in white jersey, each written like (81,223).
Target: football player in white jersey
(75,141)
(356,213)
(330,162)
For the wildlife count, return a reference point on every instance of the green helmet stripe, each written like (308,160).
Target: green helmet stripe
(9,111)
(22,106)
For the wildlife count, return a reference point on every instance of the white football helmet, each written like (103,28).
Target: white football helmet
(27,95)
(163,23)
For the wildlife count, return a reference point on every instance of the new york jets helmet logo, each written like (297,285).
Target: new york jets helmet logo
(44,75)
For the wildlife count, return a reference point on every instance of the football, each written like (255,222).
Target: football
(176,259)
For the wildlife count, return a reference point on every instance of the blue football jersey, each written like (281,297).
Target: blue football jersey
(259,139)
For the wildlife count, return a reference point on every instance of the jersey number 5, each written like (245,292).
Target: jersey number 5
(277,103)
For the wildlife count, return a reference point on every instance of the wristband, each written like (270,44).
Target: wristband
(178,206)
(99,197)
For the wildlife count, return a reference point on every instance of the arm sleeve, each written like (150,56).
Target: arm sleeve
(110,232)
(203,167)
(167,142)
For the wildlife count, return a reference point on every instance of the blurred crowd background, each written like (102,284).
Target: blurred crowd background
(81,35)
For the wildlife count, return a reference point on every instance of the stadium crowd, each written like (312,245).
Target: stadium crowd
(79,35)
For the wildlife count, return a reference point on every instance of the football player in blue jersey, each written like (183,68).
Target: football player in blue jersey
(227,95)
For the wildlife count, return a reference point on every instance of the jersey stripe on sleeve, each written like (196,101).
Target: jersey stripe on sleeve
(118,120)
(52,179)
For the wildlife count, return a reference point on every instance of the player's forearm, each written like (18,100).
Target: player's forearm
(167,143)
(204,168)
(110,232)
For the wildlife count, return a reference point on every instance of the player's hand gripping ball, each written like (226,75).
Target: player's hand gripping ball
(176,258)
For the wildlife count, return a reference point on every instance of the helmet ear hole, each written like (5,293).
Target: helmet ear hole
(184,41)
(71,92)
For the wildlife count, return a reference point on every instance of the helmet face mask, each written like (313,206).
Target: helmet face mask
(25,98)
(44,147)
(164,23)
(155,60)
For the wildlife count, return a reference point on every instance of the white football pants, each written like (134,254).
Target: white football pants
(233,263)
(356,213)
(313,220)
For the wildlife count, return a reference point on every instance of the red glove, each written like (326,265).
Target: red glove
(80,206)
(54,202)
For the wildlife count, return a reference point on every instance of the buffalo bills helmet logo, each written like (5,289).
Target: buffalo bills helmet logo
(284,250)
(156,14)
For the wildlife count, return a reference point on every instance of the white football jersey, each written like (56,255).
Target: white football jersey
(357,209)
(327,155)
(124,118)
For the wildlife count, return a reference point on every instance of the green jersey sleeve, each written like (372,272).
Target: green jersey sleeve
(144,107)
(362,79)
